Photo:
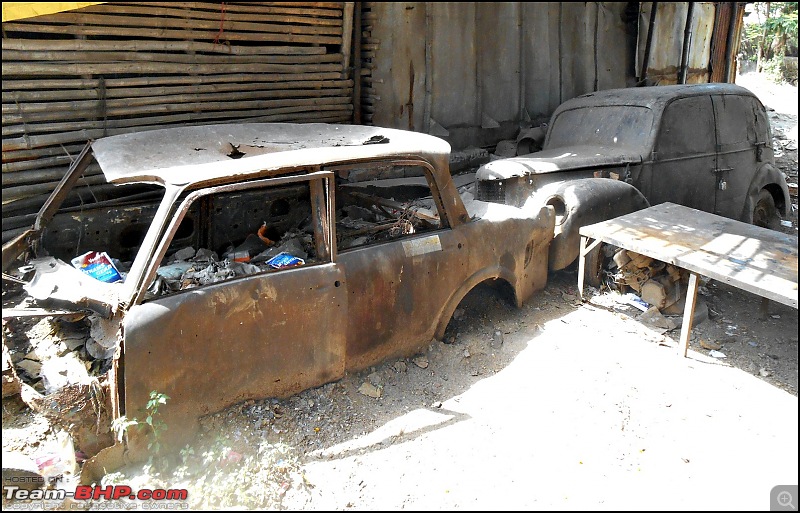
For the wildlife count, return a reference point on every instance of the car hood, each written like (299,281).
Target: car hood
(558,159)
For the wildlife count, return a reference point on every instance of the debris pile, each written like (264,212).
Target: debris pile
(657,283)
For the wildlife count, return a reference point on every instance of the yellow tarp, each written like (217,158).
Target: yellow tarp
(19,10)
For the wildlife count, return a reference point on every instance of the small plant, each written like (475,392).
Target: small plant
(152,421)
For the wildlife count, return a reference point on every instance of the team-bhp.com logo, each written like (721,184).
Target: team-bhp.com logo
(156,498)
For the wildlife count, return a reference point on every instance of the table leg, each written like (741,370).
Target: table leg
(581,265)
(584,250)
(763,309)
(688,314)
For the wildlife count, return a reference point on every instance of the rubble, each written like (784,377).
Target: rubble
(369,390)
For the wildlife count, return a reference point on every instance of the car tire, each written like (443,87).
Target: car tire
(765,213)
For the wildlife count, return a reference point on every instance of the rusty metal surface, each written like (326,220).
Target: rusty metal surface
(668,41)
(193,155)
(266,335)
(14,247)
(719,42)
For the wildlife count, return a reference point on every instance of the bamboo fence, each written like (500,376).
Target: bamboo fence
(123,67)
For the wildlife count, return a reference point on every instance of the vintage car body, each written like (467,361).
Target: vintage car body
(359,298)
(706,146)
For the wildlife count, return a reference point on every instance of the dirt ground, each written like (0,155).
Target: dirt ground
(557,405)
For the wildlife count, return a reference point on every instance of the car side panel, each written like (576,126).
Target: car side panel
(265,335)
(683,170)
(396,290)
(738,147)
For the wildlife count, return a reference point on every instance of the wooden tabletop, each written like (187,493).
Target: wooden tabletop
(755,259)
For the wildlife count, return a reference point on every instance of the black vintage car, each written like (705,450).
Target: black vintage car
(706,146)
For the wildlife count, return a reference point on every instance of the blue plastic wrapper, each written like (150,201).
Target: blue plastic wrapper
(97,265)
(284,260)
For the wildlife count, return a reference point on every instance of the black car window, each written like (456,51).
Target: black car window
(736,120)
(687,128)
(626,126)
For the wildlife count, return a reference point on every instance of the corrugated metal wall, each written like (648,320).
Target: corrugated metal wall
(471,72)
(475,72)
(123,67)
(667,44)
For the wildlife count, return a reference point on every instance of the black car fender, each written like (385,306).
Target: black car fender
(580,203)
(766,176)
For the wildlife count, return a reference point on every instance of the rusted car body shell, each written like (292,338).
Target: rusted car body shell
(707,146)
(273,334)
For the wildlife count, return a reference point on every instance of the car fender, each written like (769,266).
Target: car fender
(583,202)
(767,176)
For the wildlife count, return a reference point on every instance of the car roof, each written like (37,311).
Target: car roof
(653,97)
(231,152)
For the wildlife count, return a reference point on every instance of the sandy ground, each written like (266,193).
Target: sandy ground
(578,418)
(557,405)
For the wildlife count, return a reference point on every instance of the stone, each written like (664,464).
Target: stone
(653,317)
(369,390)
(506,148)
(709,344)
(764,372)
(31,367)
(184,254)
(375,379)
(400,366)
(421,362)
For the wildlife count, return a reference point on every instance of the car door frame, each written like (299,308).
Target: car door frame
(269,334)
(398,289)
(737,161)
(674,188)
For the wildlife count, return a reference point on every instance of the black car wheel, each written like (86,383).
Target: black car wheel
(765,214)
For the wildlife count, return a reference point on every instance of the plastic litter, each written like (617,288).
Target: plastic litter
(636,301)
(98,265)
(174,271)
(284,260)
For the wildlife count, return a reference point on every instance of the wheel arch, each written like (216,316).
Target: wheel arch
(769,178)
(491,273)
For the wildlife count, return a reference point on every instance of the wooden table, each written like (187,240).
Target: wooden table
(748,257)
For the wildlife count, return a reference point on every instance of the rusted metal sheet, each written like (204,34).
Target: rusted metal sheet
(719,42)
(668,41)
(267,336)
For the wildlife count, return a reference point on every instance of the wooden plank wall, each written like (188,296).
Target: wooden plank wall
(124,67)
(369,47)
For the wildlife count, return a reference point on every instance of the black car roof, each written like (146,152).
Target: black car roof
(654,97)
